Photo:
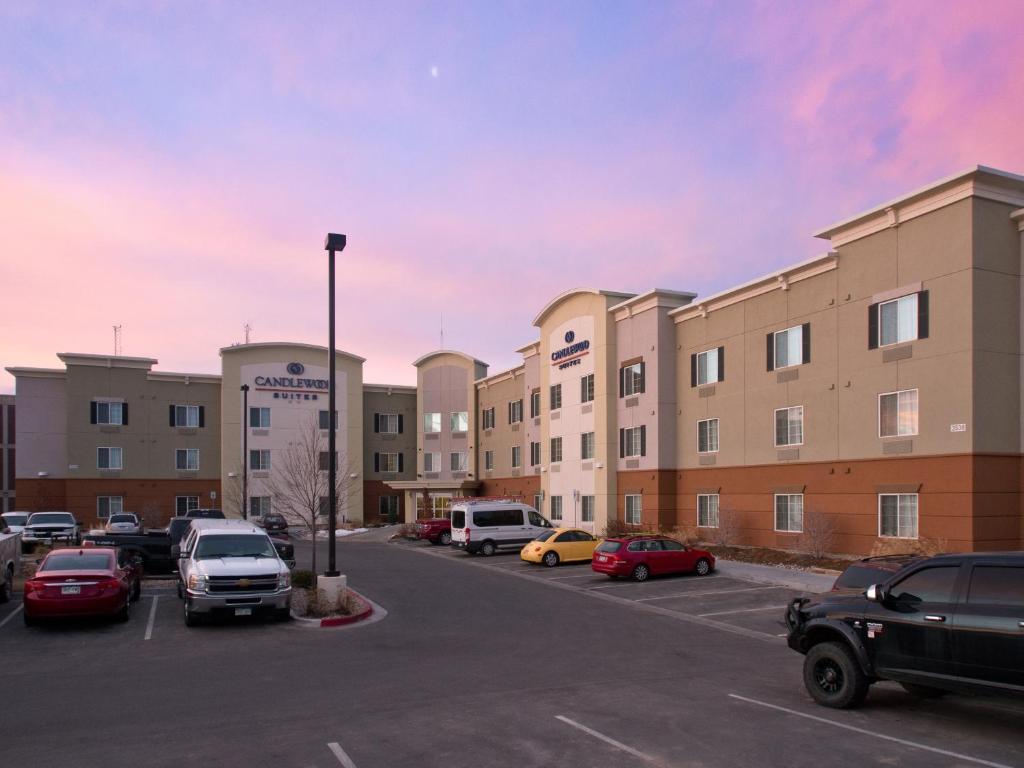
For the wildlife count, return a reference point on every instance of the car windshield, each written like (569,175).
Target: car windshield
(82,561)
(609,546)
(545,536)
(122,519)
(46,518)
(11,519)
(234,545)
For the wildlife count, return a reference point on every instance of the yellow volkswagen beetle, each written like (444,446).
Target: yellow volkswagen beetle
(560,545)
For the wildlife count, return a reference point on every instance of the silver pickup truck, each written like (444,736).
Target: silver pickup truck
(10,558)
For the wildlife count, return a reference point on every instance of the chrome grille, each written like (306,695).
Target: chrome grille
(243,584)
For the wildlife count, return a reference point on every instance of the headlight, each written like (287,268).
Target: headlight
(284,580)
(197,582)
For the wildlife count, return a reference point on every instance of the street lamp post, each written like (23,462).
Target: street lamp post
(245,451)
(333,243)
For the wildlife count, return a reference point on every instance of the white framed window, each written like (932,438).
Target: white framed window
(535,404)
(897,320)
(109,505)
(789,512)
(538,502)
(631,378)
(789,426)
(897,413)
(556,397)
(182,504)
(186,415)
(110,413)
(517,456)
(707,367)
(707,436)
(432,462)
(633,441)
(323,418)
(515,411)
(388,462)
(459,462)
(789,347)
(387,423)
(587,509)
(534,454)
(259,506)
(587,445)
(897,515)
(259,418)
(488,460)
(109,458)
(587,388)
(459,421)
(634,508)
(556,449)
(556,507)
(431,422)
(186,459)
(259,460)
(707,510)
(487,417)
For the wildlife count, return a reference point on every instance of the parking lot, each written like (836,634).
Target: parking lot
(480,661)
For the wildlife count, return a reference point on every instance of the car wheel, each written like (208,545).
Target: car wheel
(487,548)
(8,587)
(641,573)
(191,617)
(126,611)
(444,539)
(923,691)
(137,591)
(833,677)
(550,559)
(703,567)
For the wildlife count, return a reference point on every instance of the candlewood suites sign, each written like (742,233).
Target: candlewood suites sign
(571,353)
(293,385)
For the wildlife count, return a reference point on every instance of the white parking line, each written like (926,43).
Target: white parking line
(904,742)
(578,576)
(152,618)
(11,615)
(745,610)
(631,583)
(605,739)
(702,594)
(340,753)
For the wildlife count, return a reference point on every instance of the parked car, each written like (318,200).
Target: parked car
(14,521)
(46,527)
(486,526)
(436,530)
(641,557)
(216,514)
(561,545)
(83,581)
(946,623)
(123,522)
(861,574)
(10,558)
(232,567)
(273,522)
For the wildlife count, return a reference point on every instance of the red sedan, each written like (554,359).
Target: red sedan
(641,557)
(86,581)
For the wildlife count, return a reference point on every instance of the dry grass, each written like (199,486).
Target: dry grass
(926,546)
(311,603)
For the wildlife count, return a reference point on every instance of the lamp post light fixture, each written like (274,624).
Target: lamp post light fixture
(245,451)
(332,244)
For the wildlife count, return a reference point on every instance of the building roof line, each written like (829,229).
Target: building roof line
(419,361)
(550,306)
(684,297)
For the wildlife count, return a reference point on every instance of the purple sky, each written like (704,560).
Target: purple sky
(173,167)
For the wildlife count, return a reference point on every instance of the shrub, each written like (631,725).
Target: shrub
(303,579)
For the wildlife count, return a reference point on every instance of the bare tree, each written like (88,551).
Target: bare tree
(728,529)
(299,481)
(818,534)
(231,493)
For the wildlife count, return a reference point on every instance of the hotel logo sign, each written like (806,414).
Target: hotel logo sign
(570,354)
(293,387)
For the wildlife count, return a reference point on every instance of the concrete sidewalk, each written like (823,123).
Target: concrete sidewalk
(773,574)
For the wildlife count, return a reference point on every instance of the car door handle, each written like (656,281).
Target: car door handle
(933,617)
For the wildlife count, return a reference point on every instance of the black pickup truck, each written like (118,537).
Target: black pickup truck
(951,623)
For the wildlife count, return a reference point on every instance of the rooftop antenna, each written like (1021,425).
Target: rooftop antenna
(117,340)
(248,330)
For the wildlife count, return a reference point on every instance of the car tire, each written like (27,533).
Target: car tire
(8,588)
(445,539)
(487,548)
(641,573)
(191,617)
(923,691)
(550,559)
(177,586)
(137,591)
(833,677)
(703,567)
(125,613)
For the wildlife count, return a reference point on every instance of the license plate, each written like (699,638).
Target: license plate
(76,590)
(243,611)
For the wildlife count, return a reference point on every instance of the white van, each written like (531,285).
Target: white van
(487,526)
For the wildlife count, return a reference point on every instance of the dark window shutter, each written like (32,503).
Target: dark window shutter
(805,337)
(693,370)
(622,381)
(583,389)
(622,443)
(92,412)
(376,422)
(922,314)
(401,426)
(202,415)
(510,412)
(721,363)
(643,377)
(643,440)
(771,351)
(401,462)
(172,416)
(873,326)
(124,414)
(376,462)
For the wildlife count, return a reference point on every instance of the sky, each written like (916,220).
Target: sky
(173,167)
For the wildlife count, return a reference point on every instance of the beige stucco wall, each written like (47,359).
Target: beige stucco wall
(42,420)
(445,384)
(497,392)
(386,400)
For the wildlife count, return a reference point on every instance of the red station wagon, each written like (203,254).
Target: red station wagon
(85,581)
(641,557)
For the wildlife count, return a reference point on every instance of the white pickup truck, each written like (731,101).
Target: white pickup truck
(10,557)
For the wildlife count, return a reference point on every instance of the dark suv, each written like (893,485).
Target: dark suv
(946,623)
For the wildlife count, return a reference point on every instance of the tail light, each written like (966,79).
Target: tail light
(34,586)
(467,534)
(110,584)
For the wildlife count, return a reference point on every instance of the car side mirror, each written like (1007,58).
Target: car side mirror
(876,593)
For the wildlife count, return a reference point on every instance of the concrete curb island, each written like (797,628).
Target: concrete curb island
(371,614)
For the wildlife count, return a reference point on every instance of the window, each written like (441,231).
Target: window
(108,458)
(587,388)
(789,347)
(707,436)
(431,422)
(897,515)
(707,367)
(431,462)
(932,585)
(325,506)
(633,441)
(458,461)
(108,413)
(556,449)
(186,416)
(789,512)
(259,460)
(899,320)
(996,585)
(538,504)
(631,379)
(556,507)
(587,509)
(109,505)
(459,421)
(322,418)
(488,460)
(487,417)
(186,459)
(259,418)
(515,411)
(387,423)
(634,508)
(534,454)
(259,506)
(535,404)
(587,445)
(388,462)
(517,456)
(182,504)
(897,413)
(387,507)
(707,510)
(556,397)
(789,426)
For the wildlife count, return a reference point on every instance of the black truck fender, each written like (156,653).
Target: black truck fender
(825,630)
